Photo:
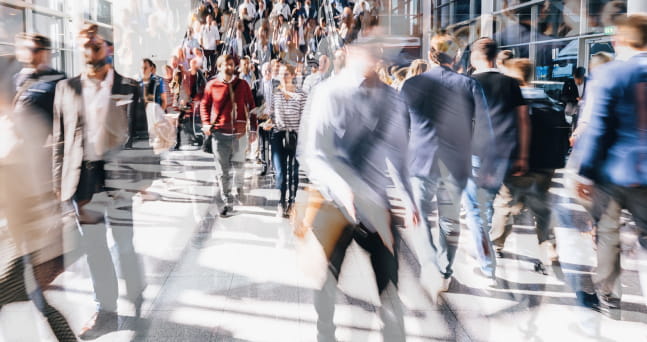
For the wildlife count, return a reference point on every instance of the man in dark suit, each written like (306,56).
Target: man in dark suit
(91,113)
(613,165)
(449,123)
(573,92)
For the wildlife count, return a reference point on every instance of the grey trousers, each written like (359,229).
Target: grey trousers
(608,203)
(229,154)
(531,191)
(448,193)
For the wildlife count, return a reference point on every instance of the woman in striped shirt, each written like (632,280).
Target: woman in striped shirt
(287,107)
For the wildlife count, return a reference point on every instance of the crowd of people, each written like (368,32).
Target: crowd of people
(304,92)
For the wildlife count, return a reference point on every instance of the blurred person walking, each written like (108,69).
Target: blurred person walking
(449,124)
(613,165)
(288,103)
(91,119)
(511,126)
(355,131)
(264,91)
(529,181)
(317,77)
(32,246)
(226,119)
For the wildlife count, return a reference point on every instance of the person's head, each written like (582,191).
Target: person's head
(322,21)
(443,49)
(286,74)
(483,54)
(503,57)
(244,13)
(33,49)
(180,54)
(244,65)
(226,65)
(210,20)
(174,62)
(197,52)
(194,65)
(275,68)
(177,77)
(521,69)
(631,35)
(266,71)
(168,71)
(299,68)
(599,58)
(579,74)
(339,60)
(147,68)
(324,64)
(95,49)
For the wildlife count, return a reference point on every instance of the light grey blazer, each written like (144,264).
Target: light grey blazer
(68,129)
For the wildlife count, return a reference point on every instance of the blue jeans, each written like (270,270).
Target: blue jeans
(478,205)
(448,192)
(286,166)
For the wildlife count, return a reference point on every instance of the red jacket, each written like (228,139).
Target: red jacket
(216,106)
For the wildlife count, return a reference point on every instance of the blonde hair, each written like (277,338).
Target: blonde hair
(417,67)
(520,68)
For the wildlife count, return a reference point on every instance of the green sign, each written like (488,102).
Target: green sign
(609,30)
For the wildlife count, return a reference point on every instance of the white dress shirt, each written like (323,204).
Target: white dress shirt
(96,102)
(210,35)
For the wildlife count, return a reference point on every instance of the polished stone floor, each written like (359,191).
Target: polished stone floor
(239,278)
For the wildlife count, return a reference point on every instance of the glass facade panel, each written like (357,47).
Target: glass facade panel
(53,4)
(12,22)
(104,11)
(602,13)
(461,10)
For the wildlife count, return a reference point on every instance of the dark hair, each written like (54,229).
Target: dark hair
(149,62)
(223,59)
(579,72)
(39,40)
(486,46)
(504,56)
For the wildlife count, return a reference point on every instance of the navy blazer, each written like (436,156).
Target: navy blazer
(614,145)
(449,121)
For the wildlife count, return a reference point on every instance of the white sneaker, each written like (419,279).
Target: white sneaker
(444,284)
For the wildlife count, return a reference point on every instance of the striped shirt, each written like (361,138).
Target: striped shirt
(286,112)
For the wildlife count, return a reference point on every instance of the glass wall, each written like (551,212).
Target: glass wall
(56,19)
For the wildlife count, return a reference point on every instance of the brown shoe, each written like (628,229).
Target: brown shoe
(101,323)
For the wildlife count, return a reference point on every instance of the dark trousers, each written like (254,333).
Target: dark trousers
(263,144)
(385,267)
(286,166)
(211,61)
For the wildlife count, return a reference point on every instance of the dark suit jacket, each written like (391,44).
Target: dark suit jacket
(449,122)
(68,132)
(570,93)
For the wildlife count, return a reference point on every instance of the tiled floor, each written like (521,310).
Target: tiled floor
(239,278)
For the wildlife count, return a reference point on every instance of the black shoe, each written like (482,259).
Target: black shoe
(263,171)
(498,252)
(588,300)
(101,323)
(129,144)
(226,211)
(281,209)
(287,210)
(540,268)
(609,306)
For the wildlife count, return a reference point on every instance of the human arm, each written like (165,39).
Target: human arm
(205,110)
(58,141)
(520,166)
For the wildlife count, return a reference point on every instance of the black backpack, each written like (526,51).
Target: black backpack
(550,131)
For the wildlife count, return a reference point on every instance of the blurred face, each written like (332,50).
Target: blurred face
(266,72)
(29,54)
(275,69)
(285,76)
(227,67)
(147,70)
(95,49)
(244,65)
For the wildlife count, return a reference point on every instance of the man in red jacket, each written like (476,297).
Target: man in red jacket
(226,119)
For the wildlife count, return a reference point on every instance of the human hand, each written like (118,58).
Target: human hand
(206,129)
(584,191)
(520,167)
